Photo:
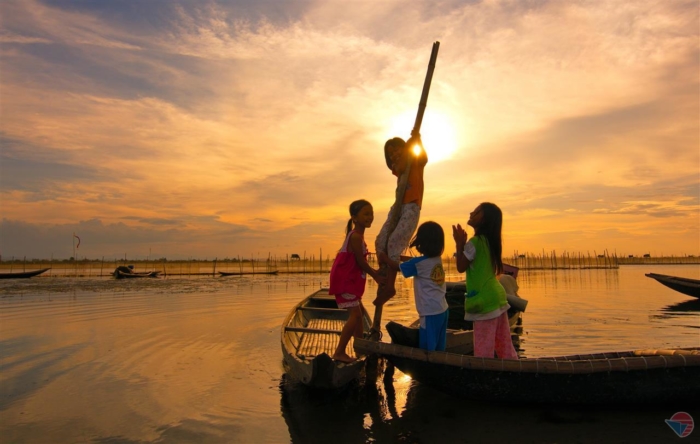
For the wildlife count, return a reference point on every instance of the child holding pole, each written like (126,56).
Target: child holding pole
(407,162)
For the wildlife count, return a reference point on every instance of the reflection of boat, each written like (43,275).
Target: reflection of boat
(639,376)
(691,287)
(235,273)
(123,272)
(683,307)
(312,415)
(310,335)
(22,274)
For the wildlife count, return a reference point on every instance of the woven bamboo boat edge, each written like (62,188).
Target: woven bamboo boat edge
(641,362)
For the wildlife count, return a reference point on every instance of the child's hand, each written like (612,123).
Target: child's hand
(459,234)
(379,278)
(414,140)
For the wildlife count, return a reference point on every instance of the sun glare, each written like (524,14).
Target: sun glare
(437,133)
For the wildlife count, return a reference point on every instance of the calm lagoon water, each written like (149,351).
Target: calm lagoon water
(199,360)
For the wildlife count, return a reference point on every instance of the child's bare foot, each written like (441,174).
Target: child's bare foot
(344,357)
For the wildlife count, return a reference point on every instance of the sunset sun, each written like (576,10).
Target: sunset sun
(437,132)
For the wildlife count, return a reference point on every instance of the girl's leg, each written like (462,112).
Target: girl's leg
(442,331)
(355,317)
(381,244)
(432,335)
(485,338)
(359,328)
(504,343)
(398,242)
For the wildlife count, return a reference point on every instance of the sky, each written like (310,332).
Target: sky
(223,129)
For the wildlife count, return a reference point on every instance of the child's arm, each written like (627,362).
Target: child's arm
(460,237)
(355,245)
(385,259)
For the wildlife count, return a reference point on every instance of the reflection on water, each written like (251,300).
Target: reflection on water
(683,307)
(390,407)
(199,360)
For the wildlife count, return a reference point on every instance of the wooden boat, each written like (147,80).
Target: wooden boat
(688,286)
(236,273)
(119,273)
(460,334)
(628,377)
(310,335)
(22,274)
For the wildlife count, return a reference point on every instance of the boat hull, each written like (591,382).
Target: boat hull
(23,274)
(148,274)
(690,287)
(309,336)
(621,378)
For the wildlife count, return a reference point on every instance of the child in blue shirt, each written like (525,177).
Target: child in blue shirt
(428,285)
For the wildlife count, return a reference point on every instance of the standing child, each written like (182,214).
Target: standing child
(428,285)
(348,275)
(485,302)
(400,156)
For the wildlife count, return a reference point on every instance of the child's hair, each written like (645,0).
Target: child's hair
(429,239)
(490,228)
(355,208)
(396,142)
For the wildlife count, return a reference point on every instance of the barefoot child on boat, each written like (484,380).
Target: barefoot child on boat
(392,240)
(349,273)
(485,301)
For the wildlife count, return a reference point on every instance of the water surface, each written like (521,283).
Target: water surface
(199,360)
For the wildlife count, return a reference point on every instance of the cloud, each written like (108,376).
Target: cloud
(256,123)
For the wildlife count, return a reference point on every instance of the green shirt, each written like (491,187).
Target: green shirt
(484,293)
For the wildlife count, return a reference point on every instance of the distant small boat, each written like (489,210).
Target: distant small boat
(688,286)
(309,336)
(236,273)
(22,274)
(144,274)
(123,272)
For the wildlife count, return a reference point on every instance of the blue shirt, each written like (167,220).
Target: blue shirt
(428,284)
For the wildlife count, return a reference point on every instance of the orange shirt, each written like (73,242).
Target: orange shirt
(414,188)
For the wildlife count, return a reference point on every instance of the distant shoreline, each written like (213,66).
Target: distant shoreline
(195,267)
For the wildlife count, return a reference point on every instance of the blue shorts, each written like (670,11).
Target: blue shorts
(432,334)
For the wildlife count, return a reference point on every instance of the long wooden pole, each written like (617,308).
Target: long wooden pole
(426,89)
(403,180)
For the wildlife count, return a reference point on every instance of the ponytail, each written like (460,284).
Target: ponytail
(348,228)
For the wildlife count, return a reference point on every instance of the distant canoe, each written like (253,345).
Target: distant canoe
(235,273)
(691,287)
(22,274)
(119,274)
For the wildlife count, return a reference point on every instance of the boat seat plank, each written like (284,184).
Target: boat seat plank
(323,310)
(321,336)
(323,297)
(311,330)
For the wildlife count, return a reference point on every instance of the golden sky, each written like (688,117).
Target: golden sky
(218,129)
